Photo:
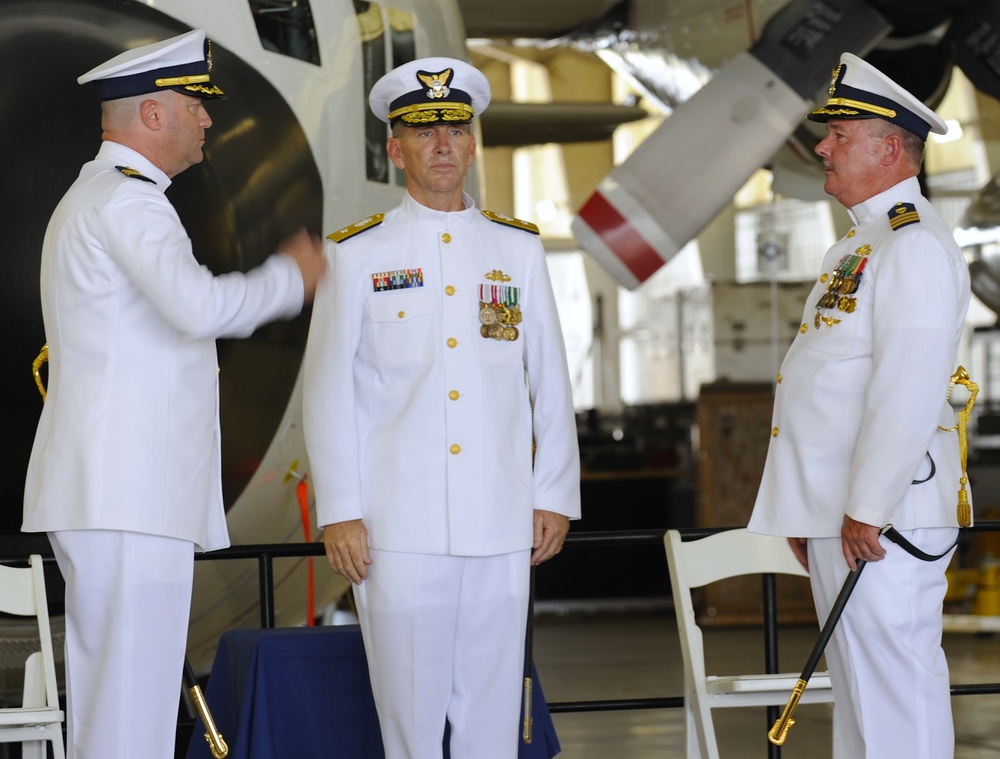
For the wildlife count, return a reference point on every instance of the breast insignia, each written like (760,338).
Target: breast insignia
(903,214)
(510,221)
(133,174)
(356,228)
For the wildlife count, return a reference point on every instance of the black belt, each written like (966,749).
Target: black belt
(896,537)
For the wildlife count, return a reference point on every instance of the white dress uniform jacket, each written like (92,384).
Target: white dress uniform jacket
(863,387)
(415,422)
(129,435)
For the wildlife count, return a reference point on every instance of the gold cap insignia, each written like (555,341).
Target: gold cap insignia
(437,83)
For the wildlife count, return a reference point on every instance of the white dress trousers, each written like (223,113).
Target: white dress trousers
(128,600)
(892,701)
(445,640)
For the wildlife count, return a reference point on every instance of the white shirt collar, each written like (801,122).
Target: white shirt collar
(121,155)
(877,205)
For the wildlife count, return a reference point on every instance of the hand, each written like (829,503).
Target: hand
(800,547)
(347,549)
(307,251)
(550,532)
(860,541)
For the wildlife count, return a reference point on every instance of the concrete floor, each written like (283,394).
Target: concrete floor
(636,654)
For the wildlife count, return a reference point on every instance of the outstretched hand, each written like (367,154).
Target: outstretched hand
(307,251)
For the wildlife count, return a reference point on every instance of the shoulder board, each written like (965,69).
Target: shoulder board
(903,214)
(510,221)
(133,174)
(356,228)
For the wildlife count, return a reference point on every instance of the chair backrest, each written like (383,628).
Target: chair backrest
(699,562)
(22,593)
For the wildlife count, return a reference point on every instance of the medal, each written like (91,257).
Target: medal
(499,308)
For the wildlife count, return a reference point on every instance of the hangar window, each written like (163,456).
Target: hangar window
(387,41)
(286,27)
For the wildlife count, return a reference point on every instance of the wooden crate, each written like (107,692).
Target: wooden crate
(734,427)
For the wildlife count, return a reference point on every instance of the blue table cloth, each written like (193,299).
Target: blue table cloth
(304,692)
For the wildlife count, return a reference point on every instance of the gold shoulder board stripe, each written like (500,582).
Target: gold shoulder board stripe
(356,228)
(133,174)
(903,214)
(510,221)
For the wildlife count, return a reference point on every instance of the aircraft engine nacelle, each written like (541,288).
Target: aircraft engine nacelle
(690,168)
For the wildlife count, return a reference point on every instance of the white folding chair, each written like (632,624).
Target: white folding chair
(697,563)
(39,718)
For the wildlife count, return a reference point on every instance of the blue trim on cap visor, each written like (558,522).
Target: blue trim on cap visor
(904,117)
(114,88)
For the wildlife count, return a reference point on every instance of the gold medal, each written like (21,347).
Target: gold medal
(487,316)
(495,331)
(515,315)
(485,331)
(817,321)
(510,333)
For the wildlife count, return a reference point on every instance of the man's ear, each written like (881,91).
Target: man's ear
(151,114)
(892,150)
(395,154)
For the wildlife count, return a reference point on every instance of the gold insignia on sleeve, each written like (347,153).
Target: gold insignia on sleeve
(510,221)
(356,228)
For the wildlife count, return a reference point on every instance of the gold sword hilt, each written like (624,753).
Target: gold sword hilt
(779,732)
(215,742)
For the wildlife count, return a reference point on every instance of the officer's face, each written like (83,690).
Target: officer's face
(186,121)
(852,160)
(435,159)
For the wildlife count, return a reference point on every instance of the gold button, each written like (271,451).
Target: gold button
(449,290)
(455,448)
(446,238)
(453,395)
(824,277)
(778,378)
(851,233)
(774,432)
(401,314)
(452,342)
(803,328)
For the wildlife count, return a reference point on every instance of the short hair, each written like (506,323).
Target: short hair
(913,144)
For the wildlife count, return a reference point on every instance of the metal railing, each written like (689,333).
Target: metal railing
(266,553)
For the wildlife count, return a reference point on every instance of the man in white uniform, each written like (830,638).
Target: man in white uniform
(856,443)
(125,469)
(435,356)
